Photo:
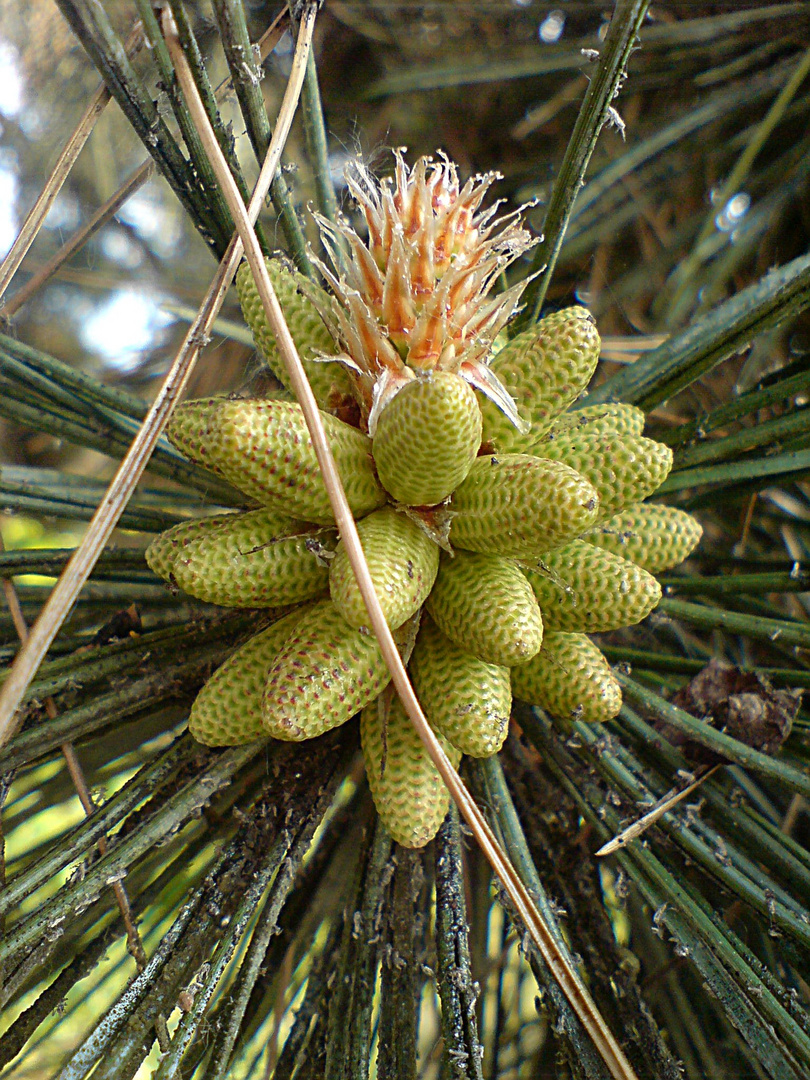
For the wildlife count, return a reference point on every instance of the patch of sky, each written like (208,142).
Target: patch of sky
(120,248)
(282,56)
(153,221)
(11,84)
(338,160)
(733,212)
(123,327)
(9,189)
(64,214)
(63,301)
(33,122)
(551,28)
(285,44)
(13,106)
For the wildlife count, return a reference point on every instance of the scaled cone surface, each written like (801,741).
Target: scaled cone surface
(446,436)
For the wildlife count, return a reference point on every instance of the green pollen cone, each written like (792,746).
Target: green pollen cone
(613,419)
(403,562)
(465,699)
(544,369)
(264,448)
(324,674)
(257,559)
(329,381)
(228,709)
(485,605)
(570,679)
(624,469)
(187,430)
(588,590)
(427,438)
(653,537)
(408,791)
(520,506)
(166,548)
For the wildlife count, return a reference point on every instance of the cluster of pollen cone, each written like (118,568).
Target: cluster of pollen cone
(501,527)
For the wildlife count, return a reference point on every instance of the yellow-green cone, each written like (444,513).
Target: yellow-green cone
(329,381)
(520,506)
(427,438)
(264,448)
(569,678)
(324,674)
(228,709)
(403,562)
(257,559)
(614,419)
(166,548)
(653,537)
(465,699)
(544,369)
(589,590)
(187,430)
(485,604)
(624,469)
(410,795)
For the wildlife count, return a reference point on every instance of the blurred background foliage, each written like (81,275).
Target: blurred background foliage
(694,942)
